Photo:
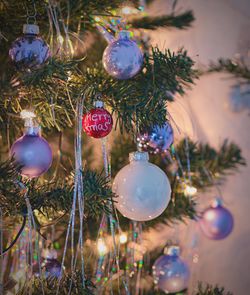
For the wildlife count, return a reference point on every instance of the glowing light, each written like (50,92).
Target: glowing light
(27,114)
(190,190)
(129,10)
(101,247)
(60,39)
(123,238)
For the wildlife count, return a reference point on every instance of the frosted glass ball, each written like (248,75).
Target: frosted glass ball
(171,273)
(29,51)
(33,153)
(143,189)
(122,58)
(217,221)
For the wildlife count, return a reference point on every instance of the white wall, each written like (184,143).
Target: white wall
(221,27)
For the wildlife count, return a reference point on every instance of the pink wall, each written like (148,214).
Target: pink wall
(220,29)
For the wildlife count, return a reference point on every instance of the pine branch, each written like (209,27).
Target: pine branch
(236,68)
(211,290)
(181,21)
(71,281)
(142,99)
(55,197)
(208,165)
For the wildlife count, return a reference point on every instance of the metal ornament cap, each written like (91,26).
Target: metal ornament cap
(30,29)
(99,104)
(138,156)
(172,251)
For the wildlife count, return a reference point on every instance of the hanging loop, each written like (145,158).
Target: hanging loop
(31,11)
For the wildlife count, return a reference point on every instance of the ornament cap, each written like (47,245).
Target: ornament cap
(172,251)
(216,202)
(99,104)
(124,34)
(49,254)
(138,156)
(31,29)
(33,130)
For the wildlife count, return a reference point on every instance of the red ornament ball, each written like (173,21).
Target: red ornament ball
(97,122)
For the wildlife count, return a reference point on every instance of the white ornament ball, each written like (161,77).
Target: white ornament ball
(143,189)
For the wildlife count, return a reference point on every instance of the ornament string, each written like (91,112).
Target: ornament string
(140,263)
(77,195)
(107,168)
(188,160)
(78,156)
(31,11)
(1,251)
(31,226)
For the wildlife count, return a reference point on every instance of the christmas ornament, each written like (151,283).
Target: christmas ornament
(122,59)
(50,266)
(157,140)
(171,273)
(216,222)
(32,152)
(143,189)
(29,51)
(97,122)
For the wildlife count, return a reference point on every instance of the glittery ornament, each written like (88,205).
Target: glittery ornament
(122,58)
(52,267)
(97,122)
(29,51)
(32,153)
(216,222)
(143,189)
(157,140)
(171,273)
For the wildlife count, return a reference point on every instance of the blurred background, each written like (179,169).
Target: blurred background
(217,108)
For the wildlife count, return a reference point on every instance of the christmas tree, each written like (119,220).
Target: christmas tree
(89,68)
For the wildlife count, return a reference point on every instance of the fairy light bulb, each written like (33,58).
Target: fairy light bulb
(123,238)
(190,191)
(143,189)
(101,247)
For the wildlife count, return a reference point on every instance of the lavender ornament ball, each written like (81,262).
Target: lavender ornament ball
(32,152)
(51,265)
(29,51)
(217,221)
(171,273)
(157,139)
(122,58)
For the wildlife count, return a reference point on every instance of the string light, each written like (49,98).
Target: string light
(129,10)
(190,191)
(101,247)
(123,238)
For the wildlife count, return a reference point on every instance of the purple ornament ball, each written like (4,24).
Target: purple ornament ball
(157,139)
(216,222)
(52,267)
(32,153)
(171,273)
(29,51)
(122,58)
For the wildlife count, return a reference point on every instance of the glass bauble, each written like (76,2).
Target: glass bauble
(157,139)
(171,273)
(216,222)
(143,189)
(29,51)
(122,58)
(97,122)
(32,153)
